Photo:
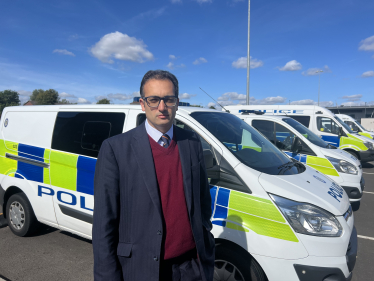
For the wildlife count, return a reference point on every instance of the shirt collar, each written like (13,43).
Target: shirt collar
(156,134)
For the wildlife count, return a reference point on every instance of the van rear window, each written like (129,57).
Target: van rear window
(84,132)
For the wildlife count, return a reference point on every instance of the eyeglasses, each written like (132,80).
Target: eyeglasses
(154,101)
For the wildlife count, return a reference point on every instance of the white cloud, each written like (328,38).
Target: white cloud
(200,61)
(368,74)
(122,47)
(83,101)
(353,97)
(63,52)
(66,95)
(172,57)
(312,102)
(367,44)
(352,103)
(118,96)
(24,96)
(171,65)
(230,98)
(212,104)
(204,1)
(292,65)
(185,96)
(314,71)
(242,63)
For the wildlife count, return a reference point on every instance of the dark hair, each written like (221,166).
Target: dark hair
(159,75)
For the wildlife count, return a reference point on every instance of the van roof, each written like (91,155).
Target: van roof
(38,108)
(268,117)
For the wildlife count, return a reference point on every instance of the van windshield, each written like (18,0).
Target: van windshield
(362,127)
(344,125)
(308,134)
(247,144)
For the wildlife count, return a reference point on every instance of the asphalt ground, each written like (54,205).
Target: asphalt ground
(56,255)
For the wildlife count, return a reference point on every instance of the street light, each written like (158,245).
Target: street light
(319,82)
(248,57)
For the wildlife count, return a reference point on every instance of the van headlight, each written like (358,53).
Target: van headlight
(369,145)
(343,166)
(308,219)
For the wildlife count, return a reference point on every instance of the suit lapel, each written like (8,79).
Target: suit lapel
(184,153)
(142,149)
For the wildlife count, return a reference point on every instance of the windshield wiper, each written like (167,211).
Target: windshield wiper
(286,166)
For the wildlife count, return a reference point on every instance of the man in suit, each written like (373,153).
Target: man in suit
(152,201)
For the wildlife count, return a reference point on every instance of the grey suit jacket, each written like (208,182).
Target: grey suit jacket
(128,220)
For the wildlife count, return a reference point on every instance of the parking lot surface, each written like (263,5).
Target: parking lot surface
(56,255)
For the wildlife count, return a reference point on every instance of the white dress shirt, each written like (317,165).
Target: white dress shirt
(156,134)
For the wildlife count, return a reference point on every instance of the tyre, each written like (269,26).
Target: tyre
(20,215)
(236,265)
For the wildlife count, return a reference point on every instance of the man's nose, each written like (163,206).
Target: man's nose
(162,106)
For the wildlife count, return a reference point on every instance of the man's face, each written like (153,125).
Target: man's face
(161,117)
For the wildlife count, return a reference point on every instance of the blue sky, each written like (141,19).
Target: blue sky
(88,50)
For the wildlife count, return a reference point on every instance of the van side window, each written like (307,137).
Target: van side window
(305,120)
(327,125)
(84,132)
(284,137)
(353,126)
(266,128)
(140,119)
(204,143)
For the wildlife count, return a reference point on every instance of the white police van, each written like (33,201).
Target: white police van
(299,142)
(356,126)
(322,122)
(272,217)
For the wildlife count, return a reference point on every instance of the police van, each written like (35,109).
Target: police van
(322,122)
(299,142)
(273,218)
(355,126)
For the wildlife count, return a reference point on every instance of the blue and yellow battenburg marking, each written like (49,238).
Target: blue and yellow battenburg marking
(245,212)
(231,209)
(66,170)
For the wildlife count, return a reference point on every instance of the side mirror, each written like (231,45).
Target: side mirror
(212,170)
(296,145)
(341,132)
(208,158)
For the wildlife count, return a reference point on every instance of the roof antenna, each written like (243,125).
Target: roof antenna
(215,101)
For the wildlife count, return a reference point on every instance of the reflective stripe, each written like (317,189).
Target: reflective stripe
(46,178)
(244,212)
(365,135)
(63,170)
(8,166)
(352,140)
(321,164)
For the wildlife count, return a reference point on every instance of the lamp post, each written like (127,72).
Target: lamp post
(248,57)
(319,82)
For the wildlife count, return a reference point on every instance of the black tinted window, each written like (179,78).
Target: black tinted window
(301,119)
(83,132)
(266,128)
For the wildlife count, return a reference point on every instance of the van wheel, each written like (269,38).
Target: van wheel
(231,265)
(20,215)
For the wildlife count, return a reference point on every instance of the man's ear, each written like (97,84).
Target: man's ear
(142,104)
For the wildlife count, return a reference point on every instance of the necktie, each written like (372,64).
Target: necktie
(166,139)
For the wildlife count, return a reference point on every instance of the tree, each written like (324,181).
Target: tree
(47,97)
(35,93)
(103,101)
(8,98)
(212,107)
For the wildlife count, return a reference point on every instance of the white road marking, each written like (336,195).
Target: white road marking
(368,192)
(368,173)
(365,237)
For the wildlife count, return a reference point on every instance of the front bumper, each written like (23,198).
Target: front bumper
(317,273)
(367,155)
(354,192)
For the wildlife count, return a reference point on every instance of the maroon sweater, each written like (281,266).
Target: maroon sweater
(178,238)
